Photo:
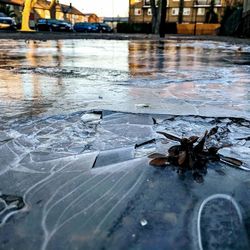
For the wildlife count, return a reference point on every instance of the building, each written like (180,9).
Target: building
(16,6)
(41,10)
(193,11)
(91,18)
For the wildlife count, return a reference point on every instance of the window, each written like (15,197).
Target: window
(202,2)
(201,11)
(186,11)
(207,2)
(217,2)
(138,11)
(10,6)
(149,12)
(147,2)
(175,11)
(47,14)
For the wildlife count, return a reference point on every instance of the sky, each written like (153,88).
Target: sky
(103,8)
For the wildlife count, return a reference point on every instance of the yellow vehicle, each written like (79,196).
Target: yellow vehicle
(28,6)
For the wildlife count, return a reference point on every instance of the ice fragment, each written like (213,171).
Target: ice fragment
(143,222)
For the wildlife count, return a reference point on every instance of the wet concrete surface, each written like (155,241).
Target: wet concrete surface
(74,178)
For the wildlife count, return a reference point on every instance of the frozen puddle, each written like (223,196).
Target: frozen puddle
(176,77)
(83,181)
(75,179)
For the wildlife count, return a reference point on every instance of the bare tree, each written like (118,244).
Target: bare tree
(163,8)
(52,9)
(181,7)
(155,27)
(158,16)
(211,16)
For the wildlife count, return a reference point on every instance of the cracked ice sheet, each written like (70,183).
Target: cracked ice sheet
(105,195)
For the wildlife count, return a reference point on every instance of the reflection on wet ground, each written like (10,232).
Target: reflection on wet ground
(189,77)
(71,178)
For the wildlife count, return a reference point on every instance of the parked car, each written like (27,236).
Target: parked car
(103,28)
(7,23)
(53,25)
(85,27)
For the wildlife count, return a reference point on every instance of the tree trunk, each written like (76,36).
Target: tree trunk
(163,9)
(180,16)
(211,16)
(53,11)
(154,10)
(158,17)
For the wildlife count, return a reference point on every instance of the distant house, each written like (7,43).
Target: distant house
(41,10)
(140,10)
(70,13)
(62,11)
(183,13)
(91,18)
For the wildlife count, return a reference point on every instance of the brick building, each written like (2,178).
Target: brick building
(91,17)
(193,10)
(41,10)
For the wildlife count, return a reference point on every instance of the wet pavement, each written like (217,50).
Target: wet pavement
(189,77)
(78,119)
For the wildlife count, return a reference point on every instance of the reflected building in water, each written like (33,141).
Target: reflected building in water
(184,72)
(20,77)
(156,57)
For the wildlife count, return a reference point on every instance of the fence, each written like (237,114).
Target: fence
(198,29)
